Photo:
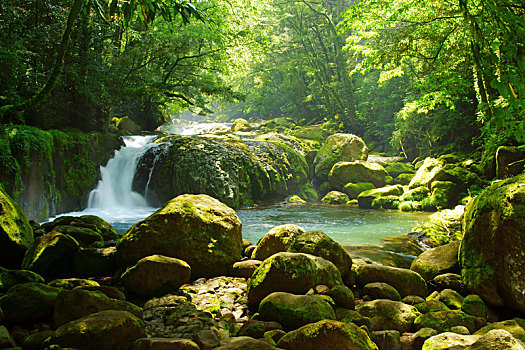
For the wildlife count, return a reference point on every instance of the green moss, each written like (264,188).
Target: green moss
(410,206)
(386,202)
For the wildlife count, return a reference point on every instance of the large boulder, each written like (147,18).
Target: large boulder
(338,148)
(335,197)
(353,190)
(516,327)
(100,331)
(195,228)
(291,272)
(91,222)
(84,236)
(16,235)
(277,240)
(74,304)
(443,321)
(406,282)
(29,302)
(491,254)
(10,278)
(355,172)
(388,314)
(366,198)
(437,261)
(294,311)
(427,172)
(156,275)
(51,255)
(327,334)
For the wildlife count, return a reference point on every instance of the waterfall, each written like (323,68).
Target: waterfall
(114,189)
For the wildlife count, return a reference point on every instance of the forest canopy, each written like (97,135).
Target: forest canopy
(414,76)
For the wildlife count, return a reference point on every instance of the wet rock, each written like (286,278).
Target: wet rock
(291,272)
(94,262)
(51,255)
(406,282)
(102,330)
(164,344)
(443,321)
(16,235)
(70,283)
(156,275)
(437,261)
(338,148)
(74,304)
(278,239)
(335,197)
(492,254)
(195,228)
(38,301)
(388,339)
(84,236)
(294,311)
(324,334)
(245,268)
(10,278)
(388,314)
(91,222)
(380,290)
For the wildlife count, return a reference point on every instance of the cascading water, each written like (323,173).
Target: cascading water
(114,190)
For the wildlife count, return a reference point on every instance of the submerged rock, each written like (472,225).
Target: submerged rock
(16,235)
(492,254)
(197,229)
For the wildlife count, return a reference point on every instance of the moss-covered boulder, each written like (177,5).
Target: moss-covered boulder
(443,321)
(381,290)
(353,190)
(10,278)
(324,335)
(443,194)
(95,262)
(238,172)
(6,340)
(388,314)
(74,304)
(16,235)
(338,148)
(474,306)
(342,296)
(443,227)
(436,261)
(241,124)
(244,342)
(84,236)
(164,343)
(431,306)
(397,168)
(497,339)
(509,161)
(427,172)
(450,298)
(516,327)
(245,268)
(29,302)
(294,311)
(91,222)
(51,255)
(449,340)
(197,229)
(358,171)
(406,282)
(366,198)
(491,254)
(385,202)
(335,197)
(100,331)
(127,125)
(278,239)
(291,272)
(156,275)
(71,283)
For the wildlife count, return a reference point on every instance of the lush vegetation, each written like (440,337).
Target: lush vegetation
(417,77)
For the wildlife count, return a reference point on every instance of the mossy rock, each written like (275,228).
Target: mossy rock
(245,268)
(442,321)
(516,327)
(156,275)
(294,311)
(6,340)
(37,299)
(491,254)
(449,340)
(509,161)
(291,272)
(278,239)
(427,172)
(95,262)
(100,331)
(386,202)
(91,222)
(84,236)
(366,198)
(431,306)
(451,298)
(165,343)
(10,278)
(241,124)
(51,255)
(338,148)
(410,206)
(415,194)
(73,304)
(403,179)
(197,229)
(354,189)
(324,334)
(16,235)
(342,296)
(71,283)
(357,171)
(243,342)
(335,197)
(444,194)
(295,199)
(474,306)
(406,282)
(448,281)
(381,290)
(442,227)
(436,261)
(397,168)
(388,314)
(127,125)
